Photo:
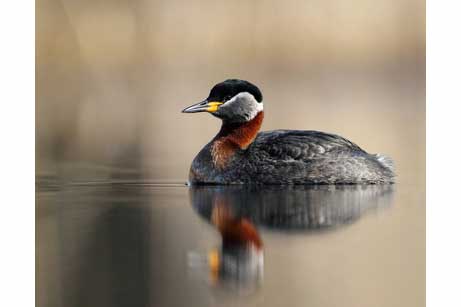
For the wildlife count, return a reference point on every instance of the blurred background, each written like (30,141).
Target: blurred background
(113,76)
(111,80)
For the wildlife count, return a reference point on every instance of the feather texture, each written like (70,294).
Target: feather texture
(294,157)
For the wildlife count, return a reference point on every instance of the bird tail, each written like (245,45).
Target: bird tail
(386,162)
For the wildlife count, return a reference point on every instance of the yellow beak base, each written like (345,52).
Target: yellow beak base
(213,106)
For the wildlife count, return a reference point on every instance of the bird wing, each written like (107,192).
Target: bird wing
(302,145)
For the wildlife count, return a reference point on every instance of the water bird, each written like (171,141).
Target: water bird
(240,154)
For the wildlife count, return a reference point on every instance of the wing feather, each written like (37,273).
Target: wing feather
(302,145)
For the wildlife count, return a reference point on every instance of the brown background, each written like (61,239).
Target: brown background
(112,77)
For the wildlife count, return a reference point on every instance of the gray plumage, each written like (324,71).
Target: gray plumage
(240,155)
(295,157)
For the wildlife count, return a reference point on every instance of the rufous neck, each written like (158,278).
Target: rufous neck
(241,134)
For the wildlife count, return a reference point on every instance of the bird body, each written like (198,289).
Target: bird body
(240,154)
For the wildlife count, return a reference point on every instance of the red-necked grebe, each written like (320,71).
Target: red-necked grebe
(238,154)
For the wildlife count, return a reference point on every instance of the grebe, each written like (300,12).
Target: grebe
(238,154)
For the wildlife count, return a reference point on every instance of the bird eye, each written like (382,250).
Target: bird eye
(227,98)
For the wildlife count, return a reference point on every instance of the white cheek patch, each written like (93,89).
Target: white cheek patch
(258,108)
(250,106)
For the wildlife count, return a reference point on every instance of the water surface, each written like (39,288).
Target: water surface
(139,244)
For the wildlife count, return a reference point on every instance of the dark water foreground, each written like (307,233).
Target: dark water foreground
(172,245)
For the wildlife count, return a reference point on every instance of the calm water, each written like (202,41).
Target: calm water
(171,245)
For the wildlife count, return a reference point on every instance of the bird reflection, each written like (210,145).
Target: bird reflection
(241,255)
(238,211)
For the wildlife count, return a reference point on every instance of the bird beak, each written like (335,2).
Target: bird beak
(203,106)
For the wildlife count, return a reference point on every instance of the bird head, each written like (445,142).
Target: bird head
(233,101)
